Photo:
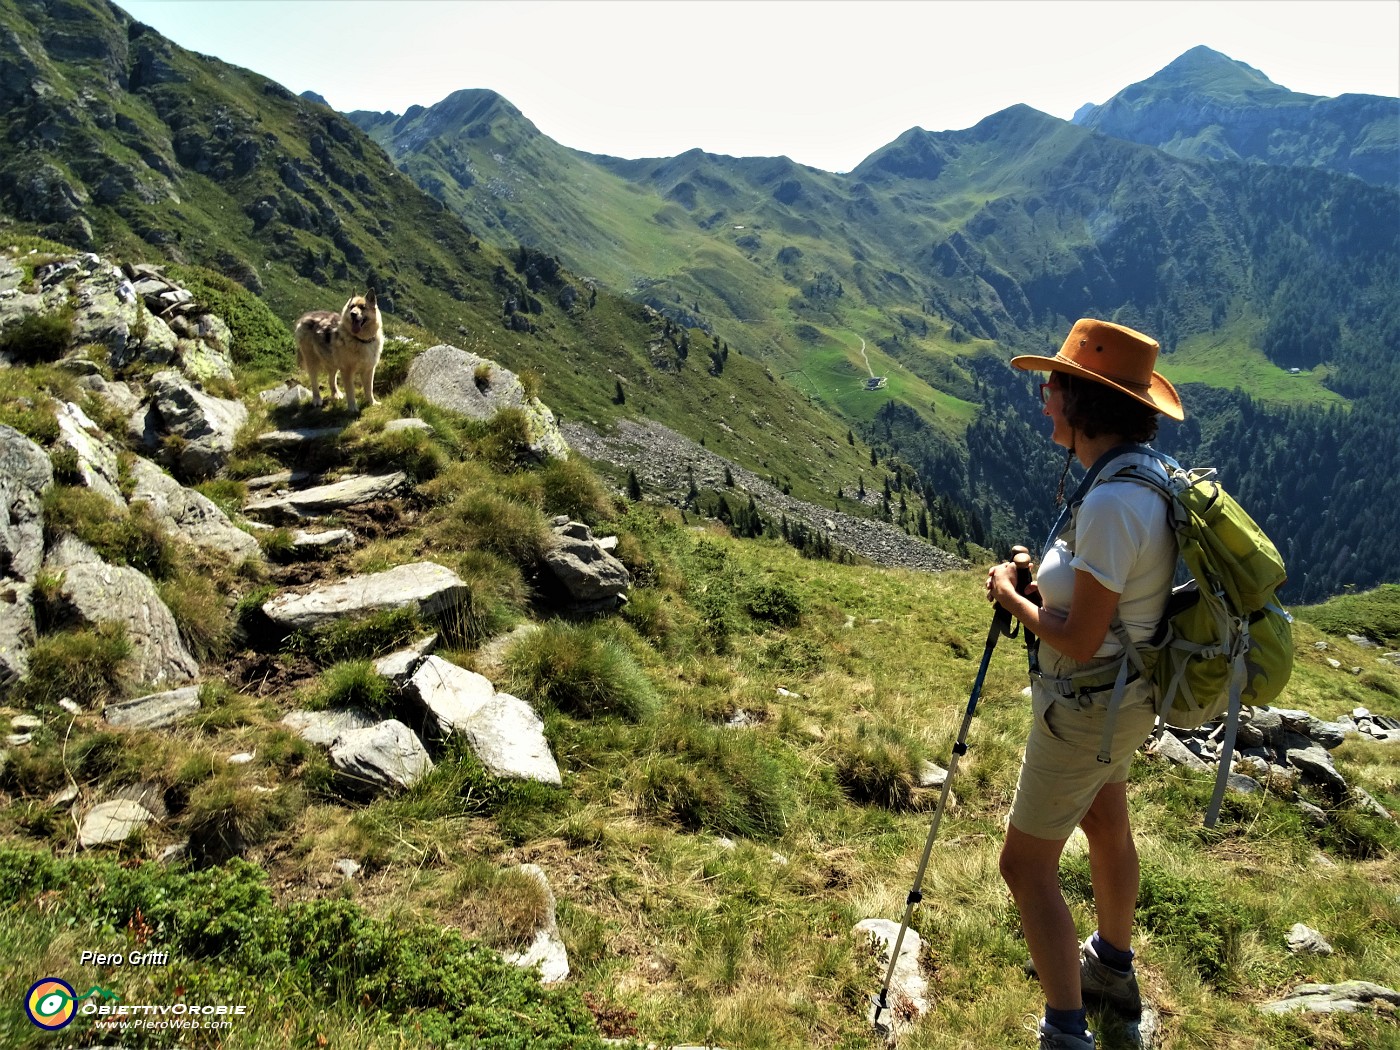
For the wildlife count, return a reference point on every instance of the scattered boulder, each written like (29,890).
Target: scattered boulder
(97,462)
(17,632)
(479,388)
(322,728)
(155,710)
(451,695)
(113,821)
(326,499)
(1346,997)
(503,731)
(907,997)
(546,951)
(428,588)
(593,577)
(508,738)
(383,757)
(1304,939)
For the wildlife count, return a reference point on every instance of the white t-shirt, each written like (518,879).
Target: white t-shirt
(1122,538)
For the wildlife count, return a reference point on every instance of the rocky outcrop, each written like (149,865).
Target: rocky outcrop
(191,430)
(25,473)
(188,514)
(1285,747)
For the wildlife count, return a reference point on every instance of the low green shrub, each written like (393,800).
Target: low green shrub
(1190,914)
(327,955)
(772,602)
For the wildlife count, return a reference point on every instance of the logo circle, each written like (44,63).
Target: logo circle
(51,1003)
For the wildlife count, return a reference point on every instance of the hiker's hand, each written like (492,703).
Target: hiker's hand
(1001,584)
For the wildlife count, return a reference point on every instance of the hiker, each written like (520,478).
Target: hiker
(1113,564)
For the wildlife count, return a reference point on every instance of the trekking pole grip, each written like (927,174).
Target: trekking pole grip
(1021,558)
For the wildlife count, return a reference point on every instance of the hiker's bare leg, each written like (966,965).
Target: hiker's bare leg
(1113,864)
(1031,868)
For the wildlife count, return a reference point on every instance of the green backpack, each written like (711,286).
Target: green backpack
(1224,640)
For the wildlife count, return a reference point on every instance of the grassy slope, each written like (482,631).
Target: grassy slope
(747,945)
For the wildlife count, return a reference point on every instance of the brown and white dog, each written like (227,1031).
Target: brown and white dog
(348,343)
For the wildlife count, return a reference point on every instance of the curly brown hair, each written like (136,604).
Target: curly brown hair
(1094,408)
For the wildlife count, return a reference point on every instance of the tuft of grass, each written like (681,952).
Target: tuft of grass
(89,666)
(705,777)
(122,536)
(227,817)
(358,638)
(880,766)
(37,338)
(580,670)
(352,683)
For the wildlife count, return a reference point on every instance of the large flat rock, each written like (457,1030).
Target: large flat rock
(426,587)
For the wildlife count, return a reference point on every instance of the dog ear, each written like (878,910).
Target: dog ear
(369,297)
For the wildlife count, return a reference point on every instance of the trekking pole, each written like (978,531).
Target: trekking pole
(1002,624)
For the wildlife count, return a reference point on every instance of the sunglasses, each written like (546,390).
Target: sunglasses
(1045,393)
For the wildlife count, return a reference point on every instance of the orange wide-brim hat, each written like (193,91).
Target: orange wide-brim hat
(1116,356)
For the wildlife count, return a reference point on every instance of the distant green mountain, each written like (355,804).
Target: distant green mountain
(943,253)
(1208,106)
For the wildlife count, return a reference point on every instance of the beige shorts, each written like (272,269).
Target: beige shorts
(1060,773)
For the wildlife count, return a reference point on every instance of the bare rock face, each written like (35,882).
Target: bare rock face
(301,504)
(155,710)
(93,592)
(190,514)
(17,632)
(25,474)
(478,388)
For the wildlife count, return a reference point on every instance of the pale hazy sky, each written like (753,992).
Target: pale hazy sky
(824,82)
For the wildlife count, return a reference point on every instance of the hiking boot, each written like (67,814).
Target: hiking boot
(1106,985)
(1051,1038)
